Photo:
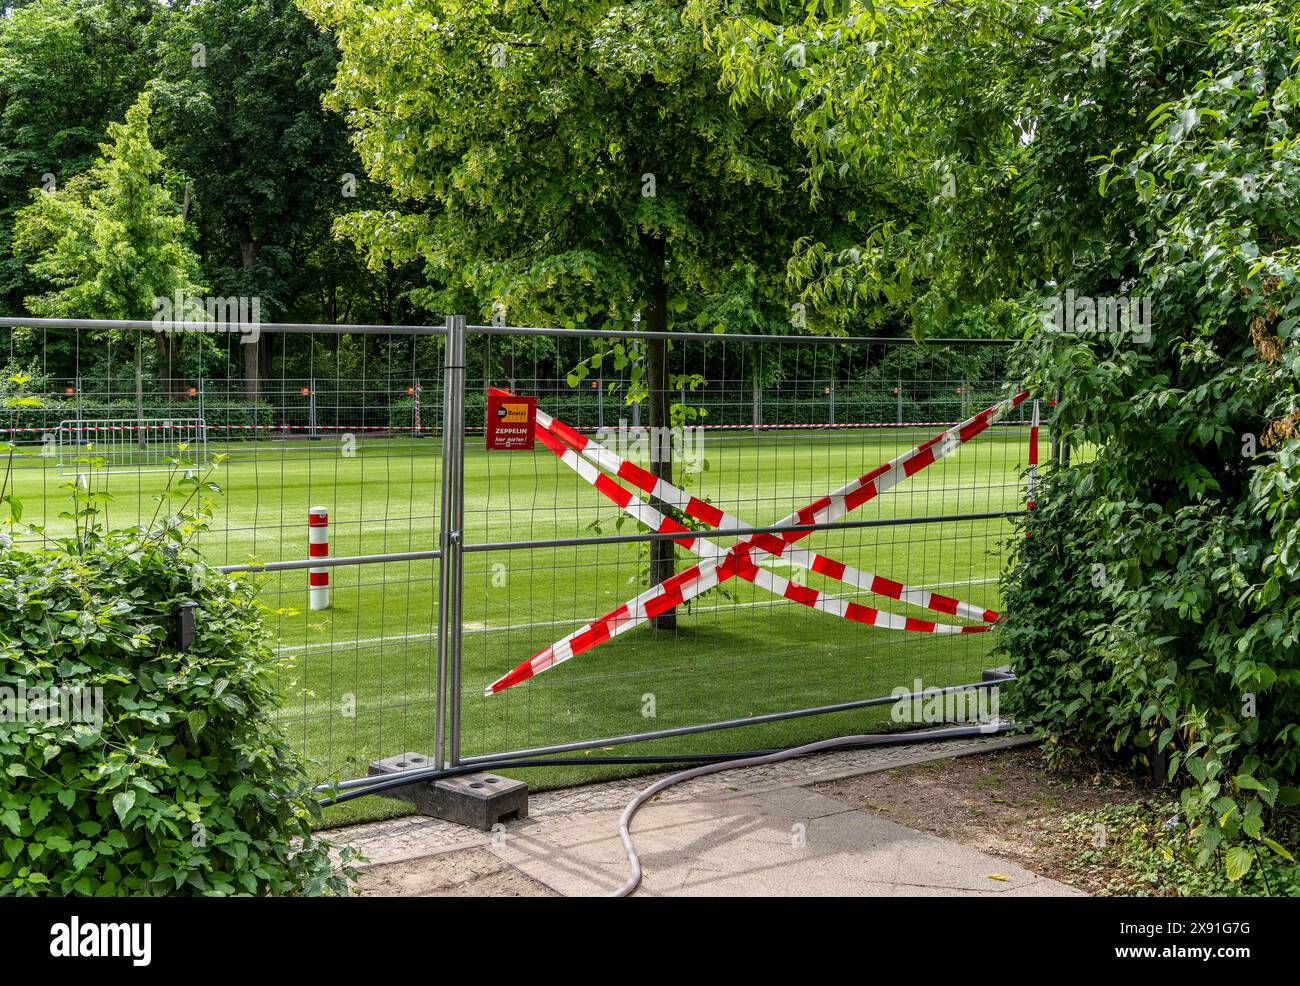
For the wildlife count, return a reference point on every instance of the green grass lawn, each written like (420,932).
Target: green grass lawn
(358,679)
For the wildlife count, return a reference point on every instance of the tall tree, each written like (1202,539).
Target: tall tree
(567,162)
(239,106)
(112,240)
(67,68)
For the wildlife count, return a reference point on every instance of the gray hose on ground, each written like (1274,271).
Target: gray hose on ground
(887,739)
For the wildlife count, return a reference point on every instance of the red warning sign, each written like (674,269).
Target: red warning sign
(510,421)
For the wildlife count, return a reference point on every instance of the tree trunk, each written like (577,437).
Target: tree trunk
(168,351)
(252,379)
(663,554)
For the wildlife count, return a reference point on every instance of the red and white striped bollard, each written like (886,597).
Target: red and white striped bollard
(318,579)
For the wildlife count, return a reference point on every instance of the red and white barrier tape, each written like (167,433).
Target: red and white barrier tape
(659,488)
(764,579)
(743,556)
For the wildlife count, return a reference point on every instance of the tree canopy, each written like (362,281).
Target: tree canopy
(111,240)
(562,160)
(66,71)
(256,164)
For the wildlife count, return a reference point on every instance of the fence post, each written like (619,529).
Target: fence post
(318,546)
(311,409)
(635,346)
(141,441)
(450,595)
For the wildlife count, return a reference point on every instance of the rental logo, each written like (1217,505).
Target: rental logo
(510,422)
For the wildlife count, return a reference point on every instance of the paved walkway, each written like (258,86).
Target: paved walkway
(751,832)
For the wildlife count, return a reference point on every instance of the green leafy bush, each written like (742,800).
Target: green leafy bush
(220,414)
(184,785)
(1154,609)
(1148,851)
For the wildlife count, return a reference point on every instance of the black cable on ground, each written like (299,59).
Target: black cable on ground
(821,746)
(387,782)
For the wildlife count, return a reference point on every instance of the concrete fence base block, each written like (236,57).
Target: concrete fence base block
(478,801)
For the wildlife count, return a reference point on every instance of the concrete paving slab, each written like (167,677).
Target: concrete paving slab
(417,836)
(784,842)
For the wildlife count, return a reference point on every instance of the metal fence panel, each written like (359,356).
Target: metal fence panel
(446,570)
(769,426)
(344,418)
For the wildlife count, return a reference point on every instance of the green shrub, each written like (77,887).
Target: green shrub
(1148,851)
(1064,683)
(1143,626)
(219,414)
(1154,608)
(185,786)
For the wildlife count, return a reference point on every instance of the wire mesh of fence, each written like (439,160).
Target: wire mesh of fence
(352,420)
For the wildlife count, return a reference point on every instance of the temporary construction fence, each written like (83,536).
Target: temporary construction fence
(358,676)
(823,521)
